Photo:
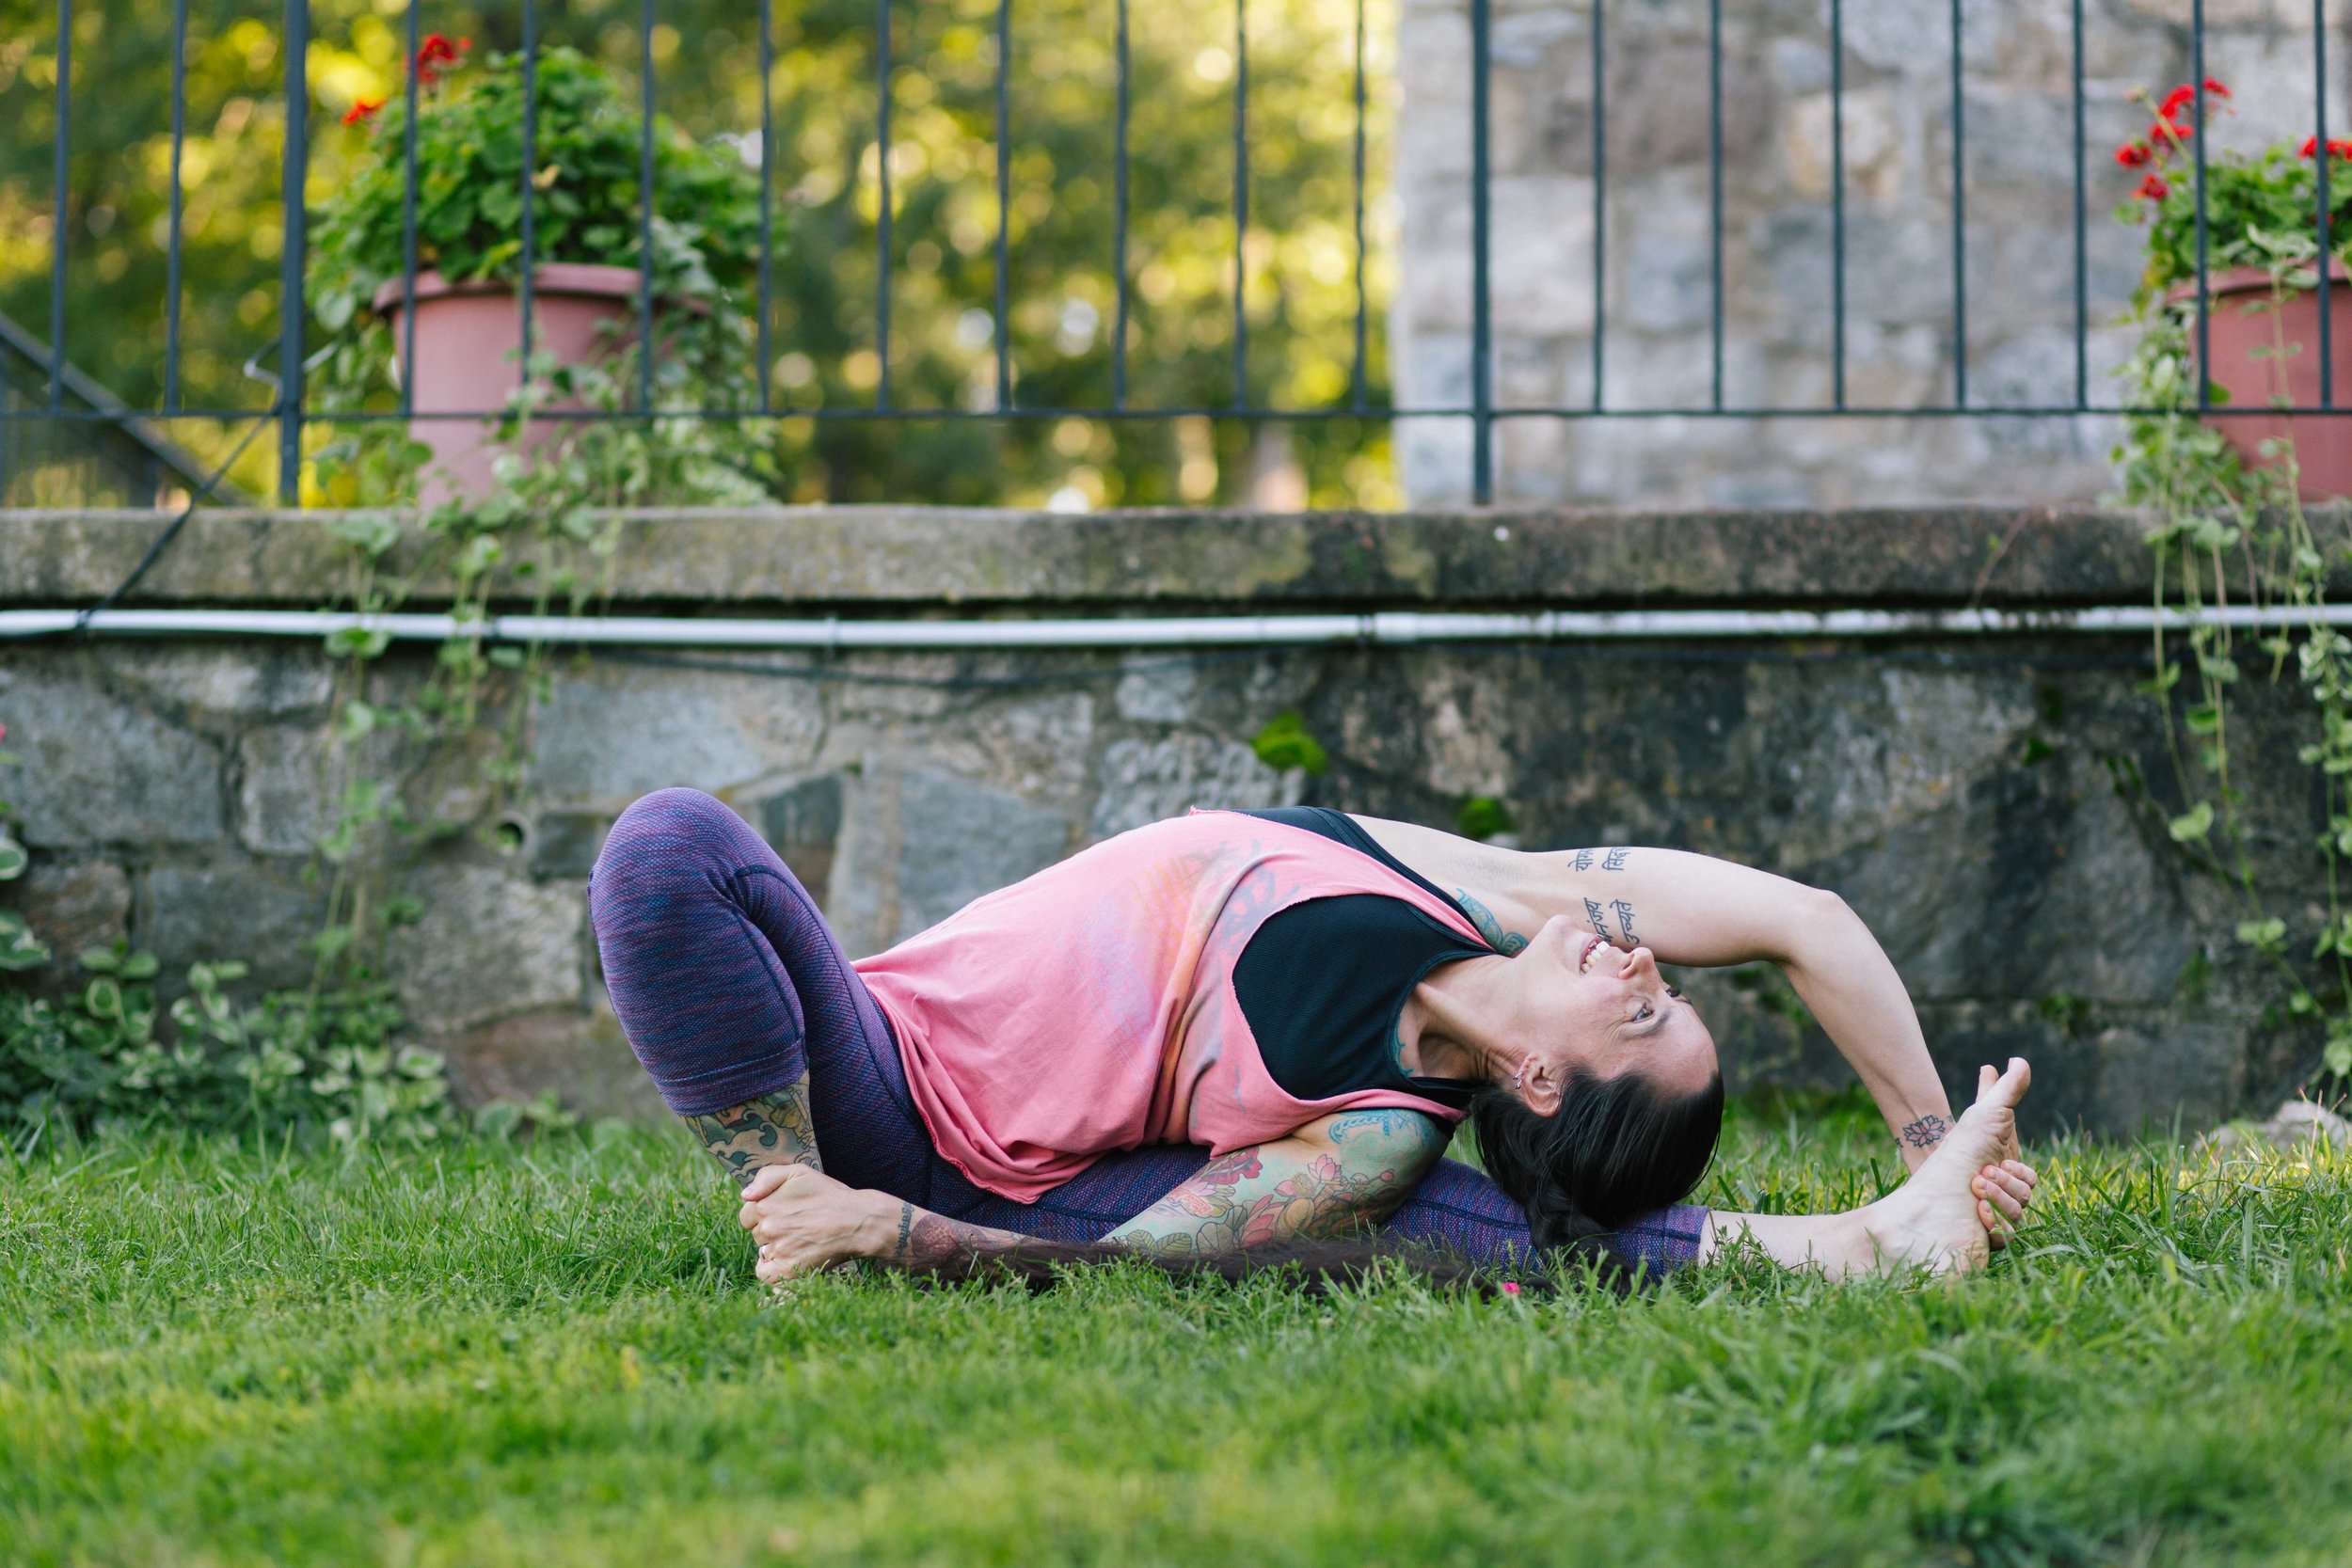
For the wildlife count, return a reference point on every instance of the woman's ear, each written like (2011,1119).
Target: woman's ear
(1538,1086)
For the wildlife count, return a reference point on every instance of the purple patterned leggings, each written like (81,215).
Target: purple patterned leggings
(730,987)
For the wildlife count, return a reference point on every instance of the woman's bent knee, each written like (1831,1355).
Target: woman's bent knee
(664,839)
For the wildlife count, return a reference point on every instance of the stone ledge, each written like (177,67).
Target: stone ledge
(881,557)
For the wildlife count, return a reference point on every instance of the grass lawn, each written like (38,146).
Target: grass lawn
(482,1354)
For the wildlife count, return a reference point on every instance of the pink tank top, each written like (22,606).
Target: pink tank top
(1090,1009)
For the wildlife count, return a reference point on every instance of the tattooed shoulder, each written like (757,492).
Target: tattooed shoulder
(1405,1130)
(1508,944)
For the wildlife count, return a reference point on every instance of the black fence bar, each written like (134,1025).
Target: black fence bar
(1600,193)
(527,285)
(2204,304)
(1715,196)
(1118,217)
(294,253)
(1482,325)
(1002,334)
(1838,204)
(646,199)
(767,195)
(409,88)
(1241,203)
(172,232)
(2324,282)
(2082,227)
(1359,391)
(881,216)
(1960,223)
(60,176)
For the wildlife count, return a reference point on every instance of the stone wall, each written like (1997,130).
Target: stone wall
(1979,802)
(1900,324)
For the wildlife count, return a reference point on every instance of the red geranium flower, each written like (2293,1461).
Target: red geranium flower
(2134,153)
(361,108)
(2152,188)
(2178,99)
(2165,131)
(435,51)
(2214,89)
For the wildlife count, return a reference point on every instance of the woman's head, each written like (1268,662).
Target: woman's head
(1571,1004)
(1607,1102)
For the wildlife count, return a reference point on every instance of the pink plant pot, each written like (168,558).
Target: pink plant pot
(2248,321)
(469,360)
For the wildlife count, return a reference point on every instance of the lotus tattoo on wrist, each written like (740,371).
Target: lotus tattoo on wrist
(1926,1133)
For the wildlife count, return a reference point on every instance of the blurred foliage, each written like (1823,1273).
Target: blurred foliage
(1300,294)
(326,1060)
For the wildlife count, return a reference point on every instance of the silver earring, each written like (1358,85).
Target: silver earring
(1518,1079)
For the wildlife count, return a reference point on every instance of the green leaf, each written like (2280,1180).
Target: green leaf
(1285,744)
(2267,936)
(2192,825)
(13,859)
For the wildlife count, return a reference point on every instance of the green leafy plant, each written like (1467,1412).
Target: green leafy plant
(328,1062)
(2228,532)
(18,947)
(585,207)
(1285,744)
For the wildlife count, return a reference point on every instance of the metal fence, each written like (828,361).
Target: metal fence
(291,413)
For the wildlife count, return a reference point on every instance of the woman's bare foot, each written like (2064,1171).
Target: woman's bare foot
(1945,1217)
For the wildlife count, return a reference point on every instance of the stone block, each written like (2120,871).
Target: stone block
(803,825)
(97,769)
(281,791)
(613,732)
(581,1055)
(1540,266)
(233,907)
(73,906)
(490,944)
(1148,781)
(207,686)
(1156,690)
(564,844)
(917,844)
(1876,168)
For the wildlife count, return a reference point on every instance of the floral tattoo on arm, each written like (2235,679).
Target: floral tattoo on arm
(1255,1197)
(1926,1133)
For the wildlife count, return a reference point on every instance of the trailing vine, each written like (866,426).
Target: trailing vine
(2230,532)
(544,533)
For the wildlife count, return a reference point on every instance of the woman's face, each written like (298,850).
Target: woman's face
(1580,1002)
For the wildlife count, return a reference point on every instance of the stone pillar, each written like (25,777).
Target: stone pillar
(1656,305)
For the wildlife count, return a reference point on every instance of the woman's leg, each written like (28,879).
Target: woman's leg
(740,1003)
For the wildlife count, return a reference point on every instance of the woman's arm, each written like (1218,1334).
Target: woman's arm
(1696,910)
(1331,1177)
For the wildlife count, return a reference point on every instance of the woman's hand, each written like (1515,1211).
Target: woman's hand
(804,1220)
(2003,1190)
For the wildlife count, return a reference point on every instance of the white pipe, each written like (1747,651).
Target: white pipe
(1384,626)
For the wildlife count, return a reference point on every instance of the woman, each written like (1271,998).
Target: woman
(1245,1030)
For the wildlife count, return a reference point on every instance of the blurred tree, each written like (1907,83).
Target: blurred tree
(1062,295)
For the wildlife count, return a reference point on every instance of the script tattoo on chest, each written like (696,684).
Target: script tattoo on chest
(1624,912)
(1583,860)
(1614,860)
(1600,924)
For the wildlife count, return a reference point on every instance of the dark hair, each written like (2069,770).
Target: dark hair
(1616,1149)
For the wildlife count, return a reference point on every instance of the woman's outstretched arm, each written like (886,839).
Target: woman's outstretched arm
(1332,1176)
(1696,910)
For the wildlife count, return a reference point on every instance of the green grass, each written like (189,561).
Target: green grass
(478,1354)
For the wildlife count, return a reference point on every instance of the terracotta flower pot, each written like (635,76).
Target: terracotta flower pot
(2247,323)
(468,336)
